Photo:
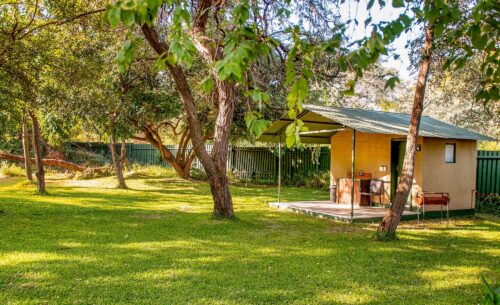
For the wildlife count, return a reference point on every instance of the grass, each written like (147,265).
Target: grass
(88,243)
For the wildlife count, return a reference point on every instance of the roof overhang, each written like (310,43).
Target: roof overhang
(323,122)
(320,129)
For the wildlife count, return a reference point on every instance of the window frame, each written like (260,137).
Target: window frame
(454,153)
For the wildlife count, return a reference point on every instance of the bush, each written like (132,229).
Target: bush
(83,156)
(489,204)
(92,172)
(11,170)
(150,171)
(320,180)
(198,173)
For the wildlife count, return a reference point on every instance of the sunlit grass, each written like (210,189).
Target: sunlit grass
(156,243)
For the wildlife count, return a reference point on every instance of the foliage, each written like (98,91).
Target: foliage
(156,243)
(492,295)
(312,179)
(150,171)
(106,170)
(489,204)
(8,169)
(198,173)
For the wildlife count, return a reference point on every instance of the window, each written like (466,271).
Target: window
(449,154)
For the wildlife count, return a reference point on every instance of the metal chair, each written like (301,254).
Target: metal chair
(376,188)
(433,198)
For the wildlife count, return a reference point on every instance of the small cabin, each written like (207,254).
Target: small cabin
(372,144)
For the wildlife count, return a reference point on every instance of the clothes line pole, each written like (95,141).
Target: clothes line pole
(353,159)
(279,171)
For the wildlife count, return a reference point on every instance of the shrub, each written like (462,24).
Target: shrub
(11,170)
(198,173)
(92,172)
(84,157)
(320,179)
(150,171)
(489,204)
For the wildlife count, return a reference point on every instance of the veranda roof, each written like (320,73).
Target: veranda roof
(324,121)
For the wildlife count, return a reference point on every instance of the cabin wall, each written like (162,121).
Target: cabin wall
(372,151)
(458,179)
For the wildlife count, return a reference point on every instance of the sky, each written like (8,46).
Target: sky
(349,9)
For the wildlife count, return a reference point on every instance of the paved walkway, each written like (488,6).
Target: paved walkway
(324,209)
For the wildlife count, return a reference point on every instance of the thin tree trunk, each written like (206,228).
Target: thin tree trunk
(123,155)
(117,163)
(387,228)
(26,150)
(40,172)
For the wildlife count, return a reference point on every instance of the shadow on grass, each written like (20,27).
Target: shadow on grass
(106,246)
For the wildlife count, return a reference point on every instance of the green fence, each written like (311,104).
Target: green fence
(488,172)
(262,162)
(243,162)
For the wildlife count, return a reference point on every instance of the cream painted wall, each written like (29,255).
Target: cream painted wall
(458,179)
(372,151)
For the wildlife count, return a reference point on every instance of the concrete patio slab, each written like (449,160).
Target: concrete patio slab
(341,212)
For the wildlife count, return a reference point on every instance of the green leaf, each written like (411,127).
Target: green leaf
(398,3)
(207,85)
(290,140)
(114,17)
(391,82)
(370,4)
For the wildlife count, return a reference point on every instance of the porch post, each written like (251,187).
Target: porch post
(279,170)
(353,155)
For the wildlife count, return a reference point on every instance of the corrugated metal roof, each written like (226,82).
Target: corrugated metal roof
(371,121)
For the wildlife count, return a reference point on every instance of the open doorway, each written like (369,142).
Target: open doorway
(398,148)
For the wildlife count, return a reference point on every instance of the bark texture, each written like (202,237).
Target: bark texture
(26,150)
(387,228)
(184,158)
(46,162)
(117,163)
(123,156)
(214,164)
(40,171)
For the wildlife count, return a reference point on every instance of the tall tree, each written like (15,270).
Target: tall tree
(461,32)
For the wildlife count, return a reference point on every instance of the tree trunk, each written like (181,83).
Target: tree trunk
(117,163)
(123,156)
(215,163)
(223,203)
(387,228)
(40,172)
(26,150)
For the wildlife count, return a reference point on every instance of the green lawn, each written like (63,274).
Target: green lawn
(87,243)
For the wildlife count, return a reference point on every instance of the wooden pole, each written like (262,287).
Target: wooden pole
(279,171)
(353,159)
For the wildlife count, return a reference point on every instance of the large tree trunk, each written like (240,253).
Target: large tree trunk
(214,164)
(387,228)
(40,172)
(26,150)
(223,203)
(117,163)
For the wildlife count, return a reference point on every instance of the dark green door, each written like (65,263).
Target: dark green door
(398,148)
